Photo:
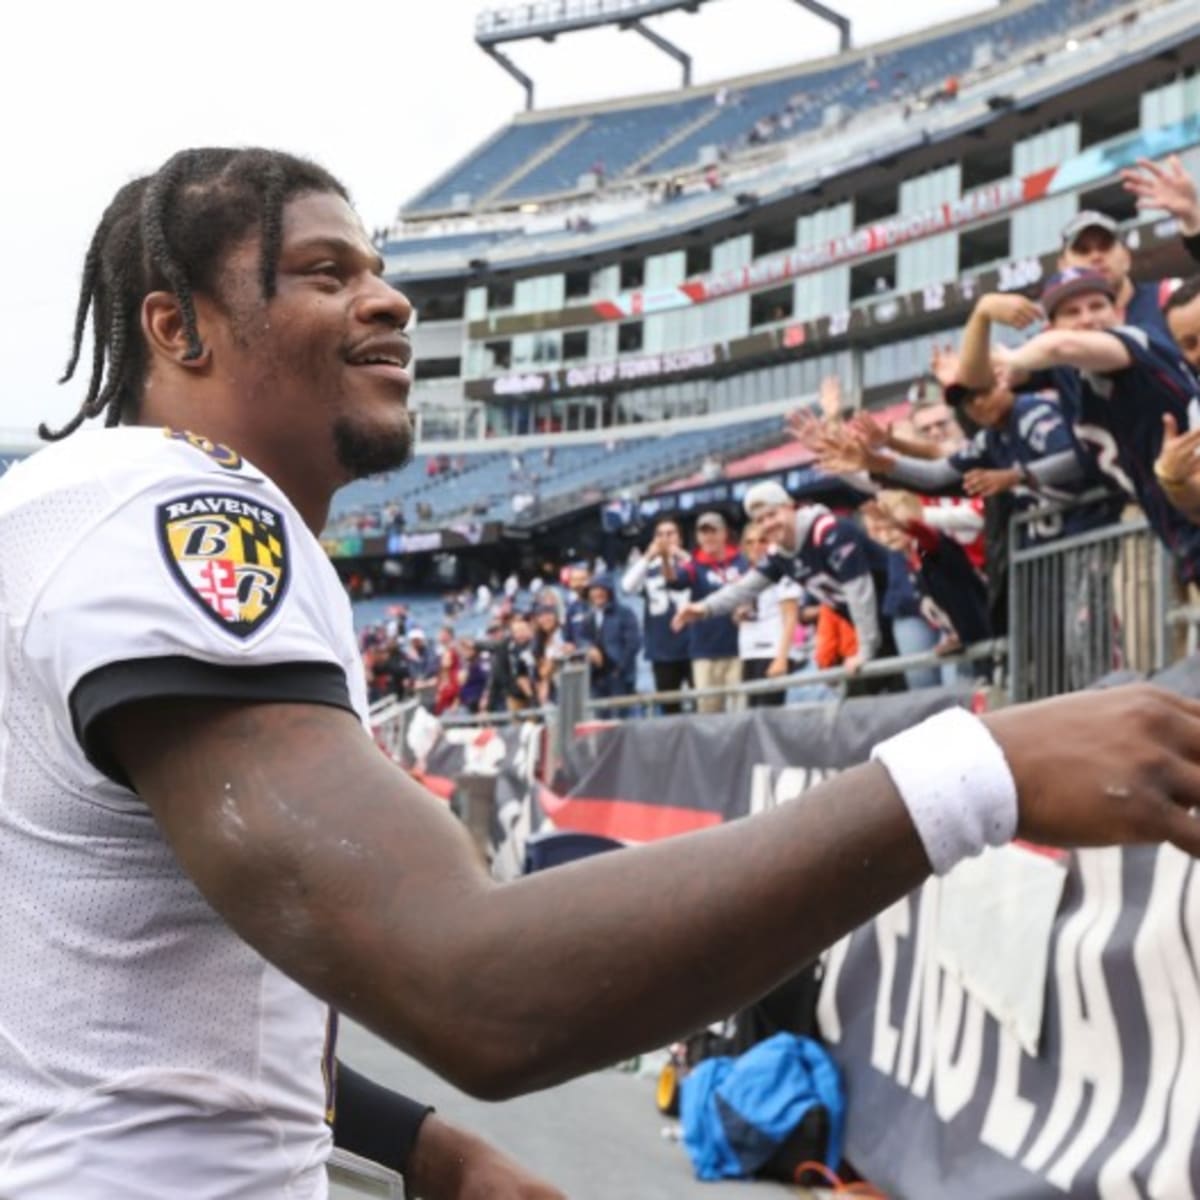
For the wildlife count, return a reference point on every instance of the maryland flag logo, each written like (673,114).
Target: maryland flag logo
(228,554)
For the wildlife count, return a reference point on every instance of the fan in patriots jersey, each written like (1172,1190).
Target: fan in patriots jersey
(1118,383)
(830,557)
(1020,436)
(204,852)
(656,576)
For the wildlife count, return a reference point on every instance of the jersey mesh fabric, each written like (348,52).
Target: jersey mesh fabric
(145,1050)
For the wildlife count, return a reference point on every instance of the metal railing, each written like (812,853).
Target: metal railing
(1082,606)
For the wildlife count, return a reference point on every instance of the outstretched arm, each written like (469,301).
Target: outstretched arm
(357,883)
(1085,350)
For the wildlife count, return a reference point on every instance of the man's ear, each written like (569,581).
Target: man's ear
(165,334)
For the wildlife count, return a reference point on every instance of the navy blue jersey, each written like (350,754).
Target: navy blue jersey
(833,554)
(660,602)
(903,595)
(1118,422)
(1145,309)
(713,637)
(1037,427)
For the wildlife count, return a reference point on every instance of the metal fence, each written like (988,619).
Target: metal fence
(1083,606)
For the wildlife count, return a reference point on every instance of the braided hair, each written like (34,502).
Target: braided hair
(167,232)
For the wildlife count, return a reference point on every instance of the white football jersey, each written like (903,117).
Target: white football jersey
(146,1051)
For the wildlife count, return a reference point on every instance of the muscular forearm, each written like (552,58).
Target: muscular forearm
(562,999)
(505,988)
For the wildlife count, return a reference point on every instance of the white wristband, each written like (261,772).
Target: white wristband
(956,784)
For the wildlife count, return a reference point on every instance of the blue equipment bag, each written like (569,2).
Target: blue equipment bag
(778,1105)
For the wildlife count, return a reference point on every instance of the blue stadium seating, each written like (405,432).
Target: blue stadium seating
(623,137)
(486,483)
(498,157)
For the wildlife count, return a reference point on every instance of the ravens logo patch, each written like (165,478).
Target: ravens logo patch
(229,555)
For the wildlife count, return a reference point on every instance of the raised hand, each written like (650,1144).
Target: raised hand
(944,365)
(805,427)
(1010,308)
(1166,186)
(867,429)
(830,398)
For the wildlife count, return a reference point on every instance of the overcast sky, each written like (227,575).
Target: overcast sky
(385,94)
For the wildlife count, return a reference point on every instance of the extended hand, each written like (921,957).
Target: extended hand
(984,482)
(686,614)
(1114,767)
(1168,187)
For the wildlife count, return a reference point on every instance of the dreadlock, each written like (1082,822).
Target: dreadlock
(167,232)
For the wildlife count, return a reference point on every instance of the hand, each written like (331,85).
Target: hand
(944,365)
(853,664)
(1132,755)
(595,656)
(868,431)
(1009,308)
(900,508)
(984,482)
(830,397)
(805,428)
(447,1163)
(568,648)
(743,612)
(687,614)
(1177,464)
(779,666)
(1168,187)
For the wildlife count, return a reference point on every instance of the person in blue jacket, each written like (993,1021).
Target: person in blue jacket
(613,639)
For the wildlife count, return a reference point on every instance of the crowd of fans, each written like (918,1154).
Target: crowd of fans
(1095,416)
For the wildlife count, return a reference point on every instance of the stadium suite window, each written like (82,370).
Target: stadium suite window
(578,285)
(699,260)
(575,345)
(876,204)
(771,239)
(874,278)
(633,274)
(629,337)
(768,307)
(439,368)
(978,247)
(500,295)
(501,354)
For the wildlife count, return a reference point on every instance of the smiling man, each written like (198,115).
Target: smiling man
(202,851)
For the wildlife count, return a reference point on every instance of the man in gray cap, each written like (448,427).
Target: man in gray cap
(1092,241)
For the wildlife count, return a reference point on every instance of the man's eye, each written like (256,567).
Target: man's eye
(325,268)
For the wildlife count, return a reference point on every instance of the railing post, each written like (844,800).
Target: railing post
(573,686)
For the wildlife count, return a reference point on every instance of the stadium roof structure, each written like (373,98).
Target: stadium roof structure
(549,18)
